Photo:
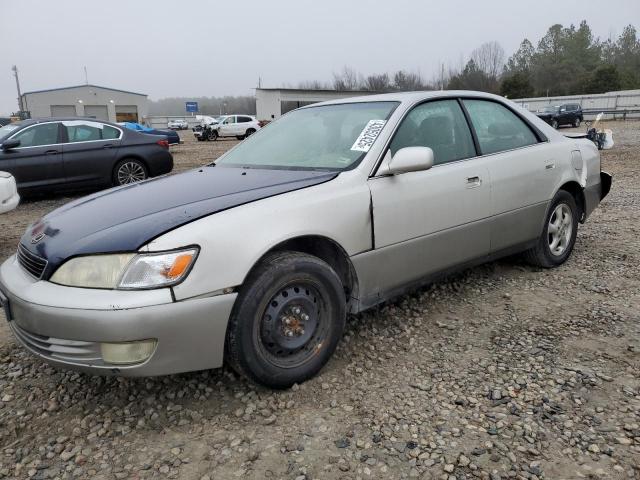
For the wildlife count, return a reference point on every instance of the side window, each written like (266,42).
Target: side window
(439,125)
(89,131)
(229,120)
(45,134)
(497,127)
(83,133)
(109,133)
(244,119)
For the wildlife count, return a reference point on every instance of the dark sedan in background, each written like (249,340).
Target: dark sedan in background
(172,137)
(57,154)
(558,115)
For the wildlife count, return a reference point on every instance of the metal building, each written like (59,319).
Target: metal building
(101,103)
(272,103)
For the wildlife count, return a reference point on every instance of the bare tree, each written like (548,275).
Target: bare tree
(489,58)
(346,80)
(378,83)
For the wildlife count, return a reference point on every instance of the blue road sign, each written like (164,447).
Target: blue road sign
(191,106)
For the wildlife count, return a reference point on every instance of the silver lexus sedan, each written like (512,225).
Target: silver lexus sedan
(256,259)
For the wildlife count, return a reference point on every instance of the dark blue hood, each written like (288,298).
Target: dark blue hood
(123,219)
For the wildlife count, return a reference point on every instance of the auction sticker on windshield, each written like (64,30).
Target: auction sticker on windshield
(368,135)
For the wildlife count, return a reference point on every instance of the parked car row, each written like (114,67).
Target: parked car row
(74,153)
(257,258)
(559,115)
(239,126)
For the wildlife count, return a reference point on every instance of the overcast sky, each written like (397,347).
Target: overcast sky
(213,48)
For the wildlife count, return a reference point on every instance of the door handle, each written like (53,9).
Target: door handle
(550,166)
(107,146)
(51,152)
(474,182)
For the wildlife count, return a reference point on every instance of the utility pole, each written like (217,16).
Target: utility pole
(86,76)
(15,73)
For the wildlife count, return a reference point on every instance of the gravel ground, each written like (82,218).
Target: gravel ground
(503,371)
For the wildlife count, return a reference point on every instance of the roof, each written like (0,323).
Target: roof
(408,96)
(84,86)
(319,90)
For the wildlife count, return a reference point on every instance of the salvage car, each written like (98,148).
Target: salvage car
(559,115)
(256,259)
(172,137)
(63,154)
(239,126)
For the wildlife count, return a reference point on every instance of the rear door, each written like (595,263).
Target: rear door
(522,168)
(89,151)
(428,221)
(37,162)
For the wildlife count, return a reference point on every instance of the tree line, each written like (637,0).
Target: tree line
(565,61)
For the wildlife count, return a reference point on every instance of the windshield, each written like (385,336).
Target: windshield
(550,109)
(329,137)
(7,129)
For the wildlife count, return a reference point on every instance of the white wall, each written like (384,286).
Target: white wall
(269,102)
(39,103)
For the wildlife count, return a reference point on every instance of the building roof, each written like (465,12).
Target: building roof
(83,86)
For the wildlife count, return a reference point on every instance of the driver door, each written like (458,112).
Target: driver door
(428,221)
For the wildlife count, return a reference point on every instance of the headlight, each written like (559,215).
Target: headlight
(127,271)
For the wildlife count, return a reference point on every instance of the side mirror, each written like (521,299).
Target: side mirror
(410,159)
(9,144)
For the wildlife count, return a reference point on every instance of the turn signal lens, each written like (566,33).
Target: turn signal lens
(152,270)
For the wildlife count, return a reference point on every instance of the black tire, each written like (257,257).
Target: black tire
(542,254)
(129,170)
(266,337)
(555,124)
(250,131)
(577,123)
(239,137)
(201,139)
(212,135)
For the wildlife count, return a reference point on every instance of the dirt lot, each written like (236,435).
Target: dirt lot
(503,371)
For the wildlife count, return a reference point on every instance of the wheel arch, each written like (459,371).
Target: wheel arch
(577,192)
(327,250)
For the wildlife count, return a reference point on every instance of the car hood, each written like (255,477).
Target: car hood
(125,218)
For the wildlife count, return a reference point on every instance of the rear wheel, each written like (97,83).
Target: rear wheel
(287,321)
(249,132)
(559,236)
(129,170)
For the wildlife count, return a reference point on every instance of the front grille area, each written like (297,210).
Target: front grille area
(31,262)
(74,351)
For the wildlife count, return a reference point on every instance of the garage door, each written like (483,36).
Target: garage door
(63,110)
(126,113)
(99,112)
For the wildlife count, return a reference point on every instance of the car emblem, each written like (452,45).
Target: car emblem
(36,238)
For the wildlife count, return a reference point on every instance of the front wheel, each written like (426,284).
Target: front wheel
(129,170)
(212,135)
(555,124)
(577,123)
(559,235)
(288,319)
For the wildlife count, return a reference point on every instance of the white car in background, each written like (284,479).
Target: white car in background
(9,197)
(178,124)
(239,126)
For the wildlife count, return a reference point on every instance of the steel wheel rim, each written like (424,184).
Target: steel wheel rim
(292,325)
(560,229)
(131,172)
